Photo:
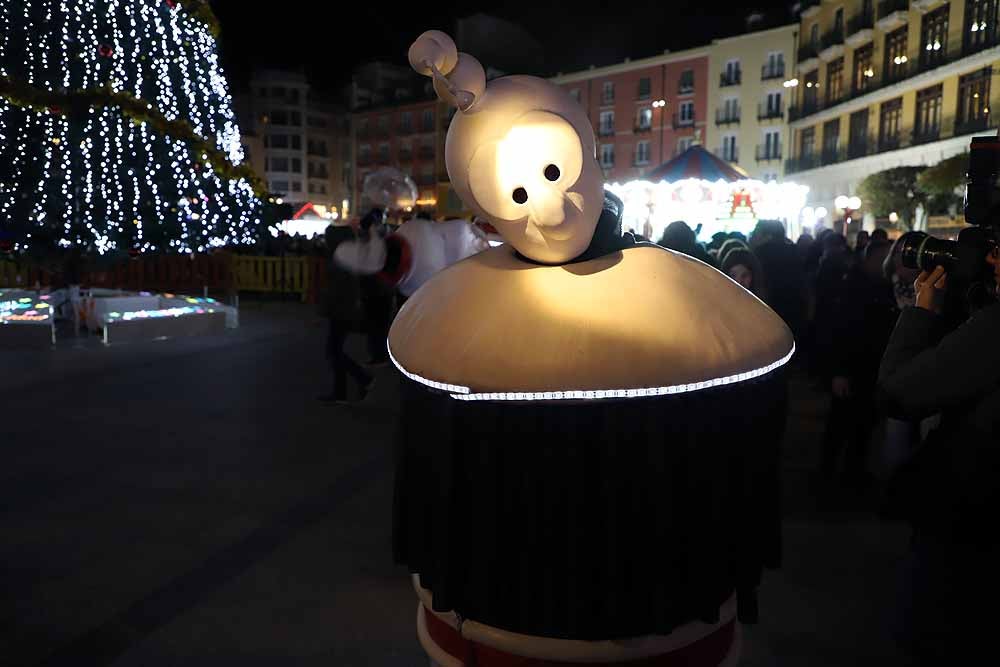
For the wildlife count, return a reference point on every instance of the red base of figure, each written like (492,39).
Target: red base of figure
(451,642)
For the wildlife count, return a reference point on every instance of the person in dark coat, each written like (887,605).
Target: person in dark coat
(680,237)
(864,312)
(376,297)
(948,490)
(785,278)
(342,305)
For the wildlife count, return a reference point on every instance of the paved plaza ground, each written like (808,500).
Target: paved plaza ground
(189,502)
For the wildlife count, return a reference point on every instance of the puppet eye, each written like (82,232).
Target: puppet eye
(520,195)
(552,172)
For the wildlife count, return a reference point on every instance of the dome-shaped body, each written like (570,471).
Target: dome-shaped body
(494,326)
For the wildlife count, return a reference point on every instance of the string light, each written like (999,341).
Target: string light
(96,178)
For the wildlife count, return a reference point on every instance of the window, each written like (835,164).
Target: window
(383,152)
(645,88)
(973,101)
(642,152)
(731,73)
(312,189)
(276,141)
(729,151)
(838,22)
(684,143)
(296,186)
(262,92)
(861,79)
(888,125)
(382,125)
(831,140)
(322,188)
(769,176)
(278,92)
(895,55)
(810,92)
(296,140)
(857,139)
(980,24)
(279,117)
(686,84)
(774,65)
(295,119)
(927,126)
(730,110)
(814,35)
(607,155)
(427,120)
(279,186)
(278,164)
(365,154)
(686,111)
(363,127)
(317,147)
(575,94)
(772,105)
(772,144)
(807,142)
(834,80)
(296,165)
(608,92)
(405,150)
(406,122)
(607,123)
(316,121)
(644,119)
(293,95)
(934,37)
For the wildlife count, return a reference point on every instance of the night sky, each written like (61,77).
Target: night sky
(330,38)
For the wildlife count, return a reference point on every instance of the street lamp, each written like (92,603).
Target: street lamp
(659,103)
(791,83)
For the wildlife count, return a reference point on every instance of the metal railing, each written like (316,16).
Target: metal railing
(887,7)
(605,131)
(772,71)
(859,147)
(769,111)
(808,51)
(730,77)
(679,122)
(859,22)
(685,87)
(729,156)
(832,37)
(727,116)
(766,152)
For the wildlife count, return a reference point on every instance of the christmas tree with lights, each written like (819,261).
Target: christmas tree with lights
(117,130)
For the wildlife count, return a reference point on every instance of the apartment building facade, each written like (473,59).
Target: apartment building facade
(644,112)
(302,138)
(885,84)
(747,99)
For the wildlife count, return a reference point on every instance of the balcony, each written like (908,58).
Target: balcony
(685,87)
(730,77)
(726,116)
(770,112)
(772,71)
(861,146)
(427,127)
(768,152)
(972,125)
(832,155)
(892,14)
(807,108)
(832,44)
(808,52)
(679,122)
(426,152)
(801,163)
(926,135)
(405,156)
(642,129)
(607,100)
(404,130)
(859,29)
(730,155)
(606,131)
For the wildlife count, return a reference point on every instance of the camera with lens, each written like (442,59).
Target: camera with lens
(965,258)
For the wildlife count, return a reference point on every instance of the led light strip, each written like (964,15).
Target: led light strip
(465,394)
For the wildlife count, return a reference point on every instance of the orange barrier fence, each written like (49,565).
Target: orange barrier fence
(305,276)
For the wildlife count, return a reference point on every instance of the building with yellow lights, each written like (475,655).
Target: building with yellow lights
(886,84)
(747,99)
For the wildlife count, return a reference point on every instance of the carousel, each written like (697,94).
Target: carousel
(704,190)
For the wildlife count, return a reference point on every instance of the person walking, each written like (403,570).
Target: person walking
(342,307)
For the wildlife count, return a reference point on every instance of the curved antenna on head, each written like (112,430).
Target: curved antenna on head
(459,79)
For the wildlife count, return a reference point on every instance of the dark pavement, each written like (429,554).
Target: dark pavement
(188,502)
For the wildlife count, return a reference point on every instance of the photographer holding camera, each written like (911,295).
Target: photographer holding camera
(949,490)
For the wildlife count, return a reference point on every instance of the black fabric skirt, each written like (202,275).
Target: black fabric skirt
(591,520)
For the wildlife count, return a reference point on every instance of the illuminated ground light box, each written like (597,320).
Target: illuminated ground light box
(150,316)
(718,206)
(26,319)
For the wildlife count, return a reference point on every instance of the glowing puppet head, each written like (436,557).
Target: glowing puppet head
(520,152)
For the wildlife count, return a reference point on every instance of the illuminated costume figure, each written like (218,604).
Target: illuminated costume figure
(583,476)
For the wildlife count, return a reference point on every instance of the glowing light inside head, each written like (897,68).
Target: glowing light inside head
(821,213)
(841,201)
(854,203)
